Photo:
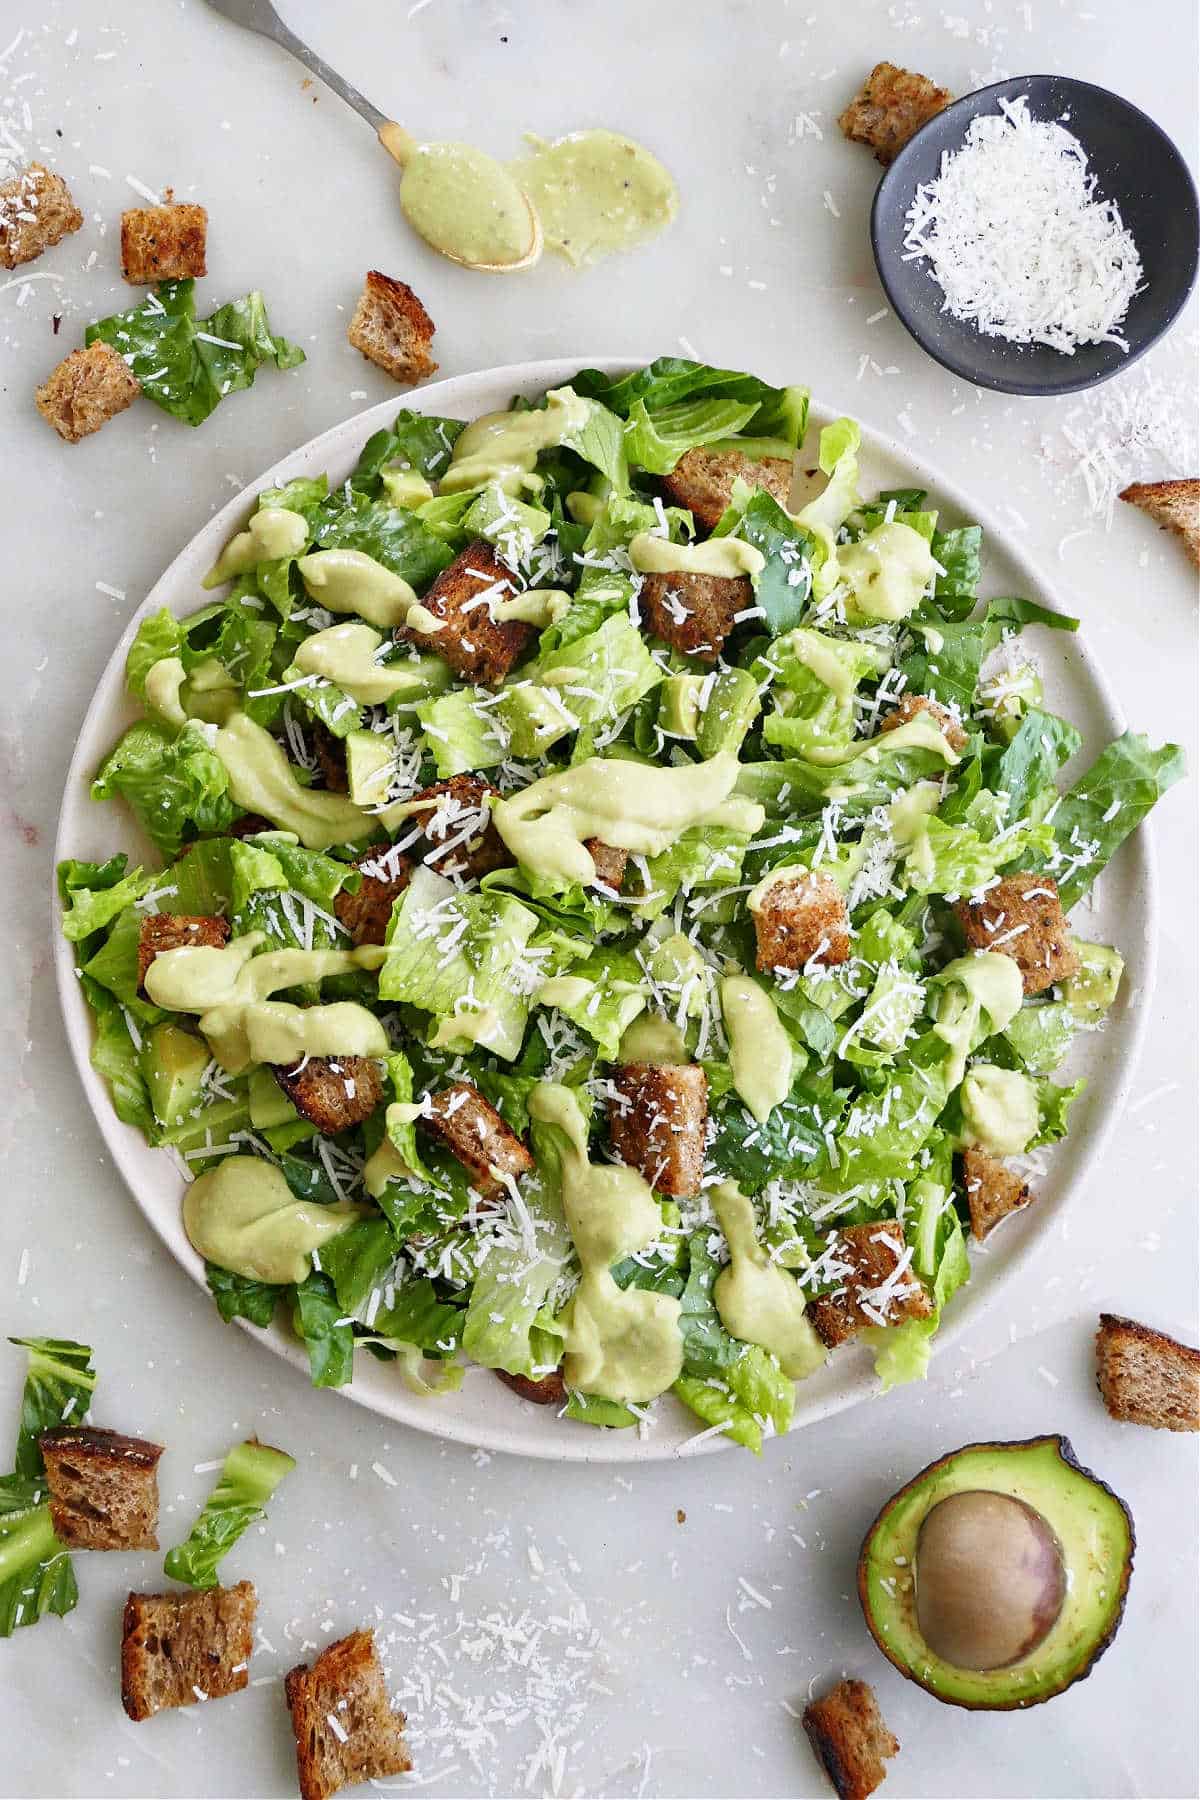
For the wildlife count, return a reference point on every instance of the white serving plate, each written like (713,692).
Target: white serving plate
(484,1412)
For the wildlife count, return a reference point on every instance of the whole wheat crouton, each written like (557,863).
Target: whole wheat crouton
(345,1729)
(393,330)
(1175,505)
(85,390)
(912,704)
(694,613)
(867,1292)
(177,931)
(36,212)
(545,1390)
(249,825)
(849,1738)
(1022,917)
(891,107)
(163,243)
(103,1488)
(477,647)
(610,863)
(801,919)
(456,817)
(332,1092)
(330,752)
(180,1649)
(474,1132)
(385,875)
(702,481)
(1146,1377)
(993,1191)
(657,1119)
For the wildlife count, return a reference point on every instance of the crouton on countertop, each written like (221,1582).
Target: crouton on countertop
(477,647)
(657,1119)
(103,1488)
(86,390)
(456,817)
(1146,1377)
(474,1132)
(891,107)
(694,613)
(801,919)
(163,243)
(1021,916)
(544,1390)
(912,704)
(850,1739)
(177,931)
(345,1729)
(993,1191)
(393,330)
(332,1092)
(867,1291)
(36,212)
(1175,505)
(385,875)
(179,1649)
(702,481)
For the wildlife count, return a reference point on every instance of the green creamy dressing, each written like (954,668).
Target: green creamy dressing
(244,1217)
(621,1343)
(347,655)
(467,205)
(386,1164)
(727,557)
(504,446)
(350,581)
(596,192)
(164,685)
(887,571)
(760,1051)
(653,1039)
(1000,1109)
(759,1303)
(919,733)
(632,806)
(271,533)
(261,781)
(981,994)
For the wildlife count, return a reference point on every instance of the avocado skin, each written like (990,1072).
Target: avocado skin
(1066,1455)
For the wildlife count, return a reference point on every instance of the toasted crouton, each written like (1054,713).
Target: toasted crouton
(849,1738)
(547,1390)
(801,919)
(385,875)
(474,1132)
(103,1488)
(177,931)
(702,481)
(163,243)
(36,212)
(332,1092)
(1146,1377)
(993,1191)
(891,107)
(1175,505)
(1022,917)
(477,647)
(330,752)
(865,1263)
(610,863)
(393,330)
(657,1119)
(912,704)
(694,613)
(86,390)
(249,825)
(179,1649)
(456,817)
(345,1729)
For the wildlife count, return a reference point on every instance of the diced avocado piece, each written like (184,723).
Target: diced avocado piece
(678,966)
(368,759)
(679,705)
(424,677)
(269,1105)
(732,708)
(500,519)
(173,1064)
(536,718)
(1094,987)
(212,1126)
(282,1137)
(404,487)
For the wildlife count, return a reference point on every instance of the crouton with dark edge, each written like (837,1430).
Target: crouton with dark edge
(332,1092)
(474,1132)
(177,931)
(330,752)
(694,613)
(163,243)
(868,1292)
(913,704)
(103,1488)
(891,107)
(801,919)
(1022,917)
(393,330)
(36,212)
(1175,505)
(385,875)
(456,817)
(993,1191)
(544,1390)
(657,1120)
(1146,1377)
(86,390)
(477,647)
(180,1649)
(610,863)
(849,1738)
(345,1729)
(702,481)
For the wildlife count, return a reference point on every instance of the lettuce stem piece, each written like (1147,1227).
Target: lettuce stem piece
(250,1476)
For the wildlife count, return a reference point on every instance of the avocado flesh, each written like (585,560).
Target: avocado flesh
(173,1063)
(1093,1529)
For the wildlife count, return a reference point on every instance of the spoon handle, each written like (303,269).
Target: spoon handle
(260,16)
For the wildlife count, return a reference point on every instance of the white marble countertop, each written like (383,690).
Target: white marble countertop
(566,1630)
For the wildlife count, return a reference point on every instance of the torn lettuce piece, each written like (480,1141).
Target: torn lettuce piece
(173,782)
(250,1475)
(524,1259)
(36,1572)
(824,516)
(815,680)
(1109,801)
(603,995)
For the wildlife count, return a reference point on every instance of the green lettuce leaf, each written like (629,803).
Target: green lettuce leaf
(173,783)
(655,441)
(94,893)
(250,1475)
(1109,801)
(418,441)
(238,1297)
(328,1335)
(394,536)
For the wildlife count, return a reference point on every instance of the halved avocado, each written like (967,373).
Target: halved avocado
(998,1575)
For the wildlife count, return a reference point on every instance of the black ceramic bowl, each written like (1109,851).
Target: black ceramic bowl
(1135,164)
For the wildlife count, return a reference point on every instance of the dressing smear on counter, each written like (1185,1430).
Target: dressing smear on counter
(1018,240)
(596,192)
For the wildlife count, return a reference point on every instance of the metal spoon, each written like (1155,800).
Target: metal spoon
(260,16)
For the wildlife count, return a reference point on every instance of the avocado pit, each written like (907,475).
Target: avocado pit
(990,1579)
